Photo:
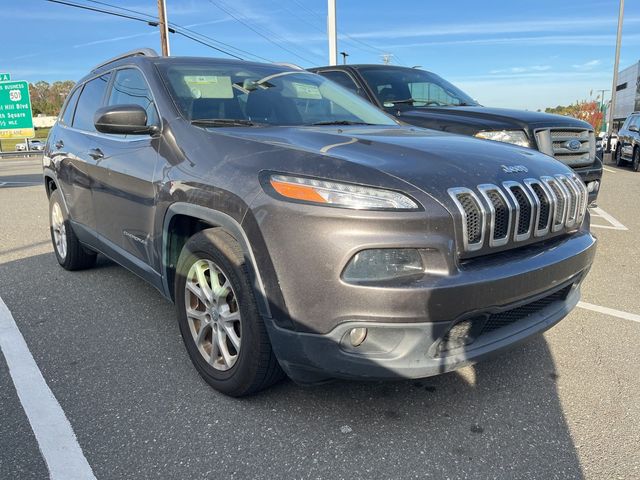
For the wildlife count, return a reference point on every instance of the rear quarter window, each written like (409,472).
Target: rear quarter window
(67,115)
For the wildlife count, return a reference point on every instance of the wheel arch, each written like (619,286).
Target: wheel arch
(181,221)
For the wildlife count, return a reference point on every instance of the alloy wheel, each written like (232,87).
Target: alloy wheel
(59,230)
(213,315)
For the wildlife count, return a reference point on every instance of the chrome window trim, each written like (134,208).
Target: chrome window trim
(484,189)
(523,236)
(453,193)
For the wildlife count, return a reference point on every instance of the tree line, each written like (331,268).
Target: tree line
(47,98)
(589,111)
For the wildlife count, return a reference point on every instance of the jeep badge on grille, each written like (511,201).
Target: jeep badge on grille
(514,168)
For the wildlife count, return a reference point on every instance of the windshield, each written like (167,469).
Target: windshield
(416,88)
(224,95)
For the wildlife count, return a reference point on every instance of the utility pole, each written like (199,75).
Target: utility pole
(332,32)
(344,57)
(163,24)
(386,58)
(614,85)
(602,92)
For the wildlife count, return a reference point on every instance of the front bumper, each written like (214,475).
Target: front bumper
(591,174)
(414,350)
(500,305)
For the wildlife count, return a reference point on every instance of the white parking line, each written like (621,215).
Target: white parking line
(613,223)
(53,432)
(608,170)
(610,311)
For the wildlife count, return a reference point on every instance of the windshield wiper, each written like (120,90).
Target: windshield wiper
(223,122)
(341,122)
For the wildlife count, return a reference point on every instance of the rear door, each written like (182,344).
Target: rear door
(126,195)
(75,166)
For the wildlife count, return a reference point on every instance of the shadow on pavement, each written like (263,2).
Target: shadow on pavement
(109,347)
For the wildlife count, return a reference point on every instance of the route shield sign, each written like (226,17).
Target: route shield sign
(5,77)
(16,120)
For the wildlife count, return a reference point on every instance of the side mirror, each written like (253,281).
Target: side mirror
(633,128)
(124,120)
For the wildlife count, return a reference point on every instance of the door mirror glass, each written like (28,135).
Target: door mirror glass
(124,120)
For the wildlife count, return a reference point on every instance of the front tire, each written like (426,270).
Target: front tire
(619,160)
(219,321)
(636,160)
(70,253)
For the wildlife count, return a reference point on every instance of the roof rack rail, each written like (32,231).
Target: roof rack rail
(140,52)
(290,65)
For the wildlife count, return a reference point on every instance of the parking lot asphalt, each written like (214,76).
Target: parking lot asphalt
(563,405)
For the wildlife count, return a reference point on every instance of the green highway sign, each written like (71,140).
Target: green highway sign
(5,77)
(16,120)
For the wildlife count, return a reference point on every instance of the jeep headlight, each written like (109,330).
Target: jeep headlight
(516,137)
(338,194)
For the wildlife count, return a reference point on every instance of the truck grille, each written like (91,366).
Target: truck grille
(494,215)
(561,143)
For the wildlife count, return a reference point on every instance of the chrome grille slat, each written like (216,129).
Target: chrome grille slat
(544,206)
(517,211)
(499,214)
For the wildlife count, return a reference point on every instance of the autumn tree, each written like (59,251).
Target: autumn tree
(589,111)
(46,98)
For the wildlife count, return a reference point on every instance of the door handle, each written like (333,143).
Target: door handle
(96,153)
(59,144)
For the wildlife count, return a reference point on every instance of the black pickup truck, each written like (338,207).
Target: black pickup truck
(427,100)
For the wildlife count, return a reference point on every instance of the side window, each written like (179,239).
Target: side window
(344,80)
(130,87)
(67,116)
(90,100)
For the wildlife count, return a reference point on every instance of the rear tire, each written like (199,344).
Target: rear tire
(220,324)
(70,253)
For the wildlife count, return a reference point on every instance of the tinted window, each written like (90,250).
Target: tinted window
(262,94)
(344,80)
(90,101)
(67,116)
(130,87)
(413,87)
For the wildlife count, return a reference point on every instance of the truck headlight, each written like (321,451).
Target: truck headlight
(339,194)
(383,264)
(516,137)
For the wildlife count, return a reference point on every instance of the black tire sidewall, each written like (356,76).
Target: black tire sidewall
(237,377)
(619,156)
(636,160)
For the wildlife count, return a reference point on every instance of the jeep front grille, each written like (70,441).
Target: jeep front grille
(556,142)
(517,211)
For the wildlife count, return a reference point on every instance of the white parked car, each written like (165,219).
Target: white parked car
(33,145)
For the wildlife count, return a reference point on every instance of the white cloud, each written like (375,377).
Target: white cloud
(532,68)
(587,65)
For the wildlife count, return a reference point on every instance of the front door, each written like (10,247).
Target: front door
(125,195)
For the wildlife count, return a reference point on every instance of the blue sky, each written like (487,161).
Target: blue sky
(515,53)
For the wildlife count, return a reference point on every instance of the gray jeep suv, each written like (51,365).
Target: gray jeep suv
(298,229)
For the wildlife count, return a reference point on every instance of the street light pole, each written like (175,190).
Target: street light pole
(332,32)
(163,24)
(614,85)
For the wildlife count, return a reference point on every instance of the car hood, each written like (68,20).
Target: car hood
(487,118)
(429,160)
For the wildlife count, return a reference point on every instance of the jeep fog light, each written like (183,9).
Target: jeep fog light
(357,336)
(593,186)
(383,264)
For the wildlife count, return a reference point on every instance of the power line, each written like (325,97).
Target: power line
(130,17)
(181,27)
(372,48)
(255,30)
